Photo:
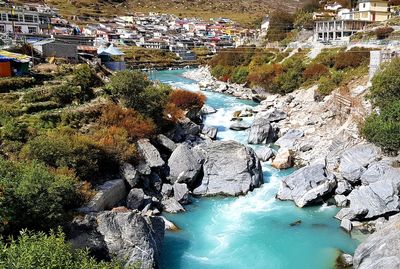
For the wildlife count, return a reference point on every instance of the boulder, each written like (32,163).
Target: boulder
(341,200)
(275,115)
(284,159)
(185,165)
(239,126)
(130,174)
(167,190)
(184,128)
(149,153)
(166,143)
(181,193)
(343,187)
(230,169)
(205,110)
(354,161)
(132,237)
(381,250)
(136,199)
(376,171)
(211,132)
(289,139)
(169,225)
(308,185)
(108,195)
(171,205)
(346,225)
(261,132)
(264,153)
(344,261)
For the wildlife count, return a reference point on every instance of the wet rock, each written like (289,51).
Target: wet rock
(306,186)
(132,237)
(108,195)
(265,153)
(296,223)
(130,174)
(169,225)
(150,154)
(239,126)
(261,132)
(344,261)
(284,159)
(185,165)
(230,169)
(181,193)
(171,205)
(381,250)
(354,161)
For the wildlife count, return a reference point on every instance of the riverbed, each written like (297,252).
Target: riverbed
(255,231)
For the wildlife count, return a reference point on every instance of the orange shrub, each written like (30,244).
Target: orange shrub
(315,71)
(352,58)
(187,100)
(136,125)
(265,75)
(173,113)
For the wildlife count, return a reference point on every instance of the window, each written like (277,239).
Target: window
(12,17)
(364,5)
(3,17)
(32,30)
(2,28)
(28,18)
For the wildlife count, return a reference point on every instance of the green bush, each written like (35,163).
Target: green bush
(68,93)
(326,85)
(32,197)
(352,58)
(384,129)
(240,75)
(386,84)
(39,250)
(85,77)
(15,83)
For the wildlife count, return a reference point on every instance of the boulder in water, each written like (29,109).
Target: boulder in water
(261,132)
(284,159)
(211,132)
(239,126)
(265,153)
(230,169)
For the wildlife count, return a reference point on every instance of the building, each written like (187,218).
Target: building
(13,64)
(372,10)
(112,58)
(23,21)
(337,30)
(56,48)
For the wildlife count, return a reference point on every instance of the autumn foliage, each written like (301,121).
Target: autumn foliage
(315,71)
(187,100)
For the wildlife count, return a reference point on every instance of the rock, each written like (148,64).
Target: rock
(181,193)
(166,143)
(283,159)
(346,225)
(378,170)
(184,128)
(296,223)
(306,186)
(340,200)
(211,132)
(171,205)
(381,250)
(306,147)
(205,110)
(344,261)
(289,139)
(169,225)
(354,161)
(185,165)
(275,115)
(167,190)
(230,169)
(261,132)
(246,113)
(150,153)
(239,126)
(372,201)
(130,174)
(264,153)
(133,238)
(108,195)
(136,199)
(343,187)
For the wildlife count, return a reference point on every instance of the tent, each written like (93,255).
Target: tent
(13,64)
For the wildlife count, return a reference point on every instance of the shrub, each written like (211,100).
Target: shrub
(221,72)
(136,125)
(39,250)
(304,20)
(32,197)
(386,84)
(383,32)
(264,76)
(327,57)
(67,93)
(186,99)
(15,83)
(315,71)
(65,148)
(85,77)
(240,75)
(326,85)
(233,57)
(281,23)
(384,129)
(352,58)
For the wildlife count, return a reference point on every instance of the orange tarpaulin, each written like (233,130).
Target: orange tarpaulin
(5,69)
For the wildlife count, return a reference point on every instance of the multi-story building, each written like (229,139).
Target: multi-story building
(337,30)
(23,21)
(372,10)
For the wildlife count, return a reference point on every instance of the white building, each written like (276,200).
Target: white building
(23,21)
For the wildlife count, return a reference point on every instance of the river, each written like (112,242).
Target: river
(253,231)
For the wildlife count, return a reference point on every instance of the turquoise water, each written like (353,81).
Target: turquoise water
(252,231)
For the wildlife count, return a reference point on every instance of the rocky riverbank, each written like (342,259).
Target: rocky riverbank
(207,82)
(123,218)
(337,166)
